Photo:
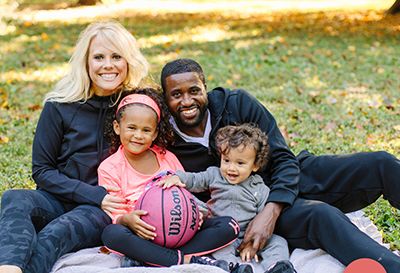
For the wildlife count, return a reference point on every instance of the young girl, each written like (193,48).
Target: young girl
(142,132)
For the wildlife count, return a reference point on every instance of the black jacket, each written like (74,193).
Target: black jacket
(68,147)
(235,107)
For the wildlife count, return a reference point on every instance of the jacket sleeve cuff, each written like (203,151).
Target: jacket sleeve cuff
(281,196)
(98,195)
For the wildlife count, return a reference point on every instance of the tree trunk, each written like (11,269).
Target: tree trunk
(395,8)
(88,2)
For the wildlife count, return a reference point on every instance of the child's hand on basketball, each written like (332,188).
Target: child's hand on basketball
(201,219)
(136,224)
(170,181)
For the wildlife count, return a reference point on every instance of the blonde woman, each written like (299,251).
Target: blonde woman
(68,211)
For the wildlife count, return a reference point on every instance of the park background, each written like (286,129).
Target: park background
(327,70)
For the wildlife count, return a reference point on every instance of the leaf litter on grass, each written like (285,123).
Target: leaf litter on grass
(329,77)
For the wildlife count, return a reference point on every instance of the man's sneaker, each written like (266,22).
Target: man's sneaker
(128,262)
(282,267)
(209,261)
(241,268)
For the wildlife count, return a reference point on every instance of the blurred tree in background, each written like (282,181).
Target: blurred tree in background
(88,2)
(395,8)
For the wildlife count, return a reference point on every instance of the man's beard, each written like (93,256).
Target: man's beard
(194,123)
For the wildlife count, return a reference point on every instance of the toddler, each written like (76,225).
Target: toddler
(237,191)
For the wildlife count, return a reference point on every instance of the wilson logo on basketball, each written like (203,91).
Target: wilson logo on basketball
(176,214)
(173,212)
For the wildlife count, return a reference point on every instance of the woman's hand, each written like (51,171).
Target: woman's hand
(170,181)
(136,224)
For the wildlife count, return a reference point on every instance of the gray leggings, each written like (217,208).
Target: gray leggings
(36,229)
(275,250)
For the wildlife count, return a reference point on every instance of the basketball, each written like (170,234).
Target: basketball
(173,212)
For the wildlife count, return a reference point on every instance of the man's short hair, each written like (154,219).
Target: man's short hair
(180,66)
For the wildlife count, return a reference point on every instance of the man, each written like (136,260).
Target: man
(308,193)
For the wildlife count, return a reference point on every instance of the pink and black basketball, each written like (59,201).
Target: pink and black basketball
(173,212)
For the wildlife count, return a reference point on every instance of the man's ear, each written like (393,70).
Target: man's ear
(116,127)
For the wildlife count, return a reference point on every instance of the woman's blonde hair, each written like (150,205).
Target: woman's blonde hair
(75,85)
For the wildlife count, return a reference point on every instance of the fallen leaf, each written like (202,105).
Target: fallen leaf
(294,135)
(292,143)
(3,99)
(34,107)
(44,36)
(284,132)
(104,250)
(331,100)
(370,140)
(317,117)
(351,48)
(167,44)
(314,94)
(28,23)
(236,76)
(330,126)
(299,90)
(56,46)
(4,139)
(380,70)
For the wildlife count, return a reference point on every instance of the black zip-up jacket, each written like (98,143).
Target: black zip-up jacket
(229,107)
(68,147)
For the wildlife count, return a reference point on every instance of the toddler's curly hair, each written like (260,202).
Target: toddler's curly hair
(246,134)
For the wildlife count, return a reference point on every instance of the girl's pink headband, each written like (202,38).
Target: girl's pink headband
(142,99)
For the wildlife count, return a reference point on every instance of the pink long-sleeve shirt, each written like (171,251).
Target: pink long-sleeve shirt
(116,171)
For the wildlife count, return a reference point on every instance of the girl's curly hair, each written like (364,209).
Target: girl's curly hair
(246,134)
(165,135)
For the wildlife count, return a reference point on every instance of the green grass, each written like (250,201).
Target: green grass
(330,78)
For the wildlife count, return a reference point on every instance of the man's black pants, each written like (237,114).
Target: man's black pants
(331,185)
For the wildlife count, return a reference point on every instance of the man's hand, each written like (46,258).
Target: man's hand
(133,222)
(260,230)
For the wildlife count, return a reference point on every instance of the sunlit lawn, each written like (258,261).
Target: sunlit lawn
(330,77)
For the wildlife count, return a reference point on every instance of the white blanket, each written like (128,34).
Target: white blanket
(305,261)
